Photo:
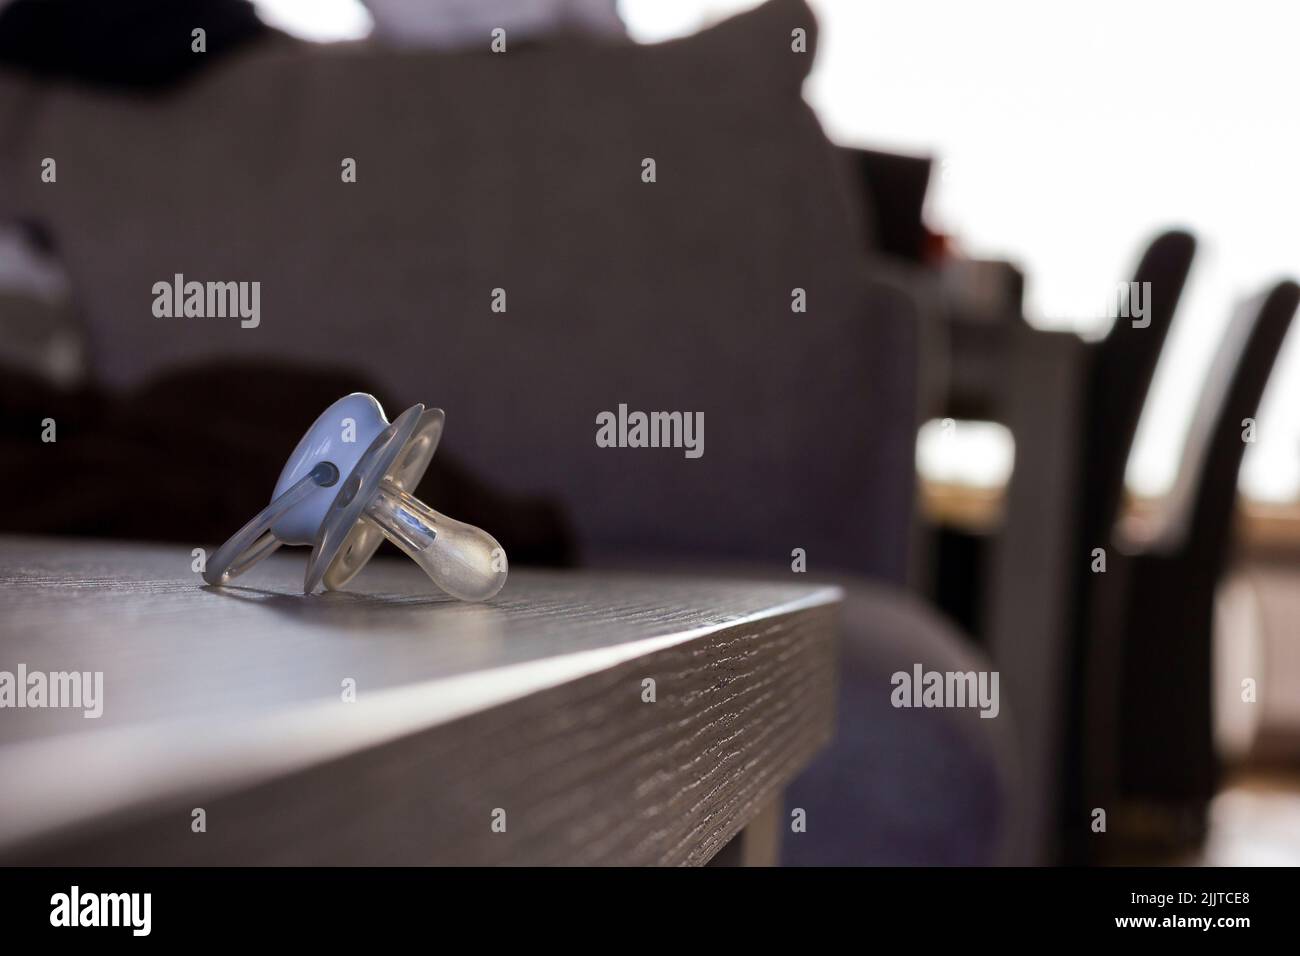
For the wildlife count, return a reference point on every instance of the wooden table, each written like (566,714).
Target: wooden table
(516,732)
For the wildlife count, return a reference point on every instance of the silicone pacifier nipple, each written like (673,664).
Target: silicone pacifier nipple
(345,489)
(463,560)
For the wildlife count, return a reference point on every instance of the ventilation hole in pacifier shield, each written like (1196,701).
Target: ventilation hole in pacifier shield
(348,492)
(325,474)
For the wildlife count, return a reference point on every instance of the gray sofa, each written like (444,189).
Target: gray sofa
(523,172)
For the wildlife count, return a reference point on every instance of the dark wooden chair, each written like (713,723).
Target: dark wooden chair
(1118,376)
(975,576)
(1148,754)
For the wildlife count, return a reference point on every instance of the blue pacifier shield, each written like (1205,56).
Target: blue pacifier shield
(341,436)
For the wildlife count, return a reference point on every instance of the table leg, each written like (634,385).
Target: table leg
(759,843)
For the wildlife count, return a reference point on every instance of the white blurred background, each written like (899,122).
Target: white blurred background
(1068,135)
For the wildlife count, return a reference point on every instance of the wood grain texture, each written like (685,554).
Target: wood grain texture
(532,704)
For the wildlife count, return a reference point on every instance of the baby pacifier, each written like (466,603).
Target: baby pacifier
(346,487)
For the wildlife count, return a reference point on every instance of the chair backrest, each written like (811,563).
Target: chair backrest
(1120,376)
(1198,518)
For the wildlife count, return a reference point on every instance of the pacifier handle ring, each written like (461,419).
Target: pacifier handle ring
(254,541)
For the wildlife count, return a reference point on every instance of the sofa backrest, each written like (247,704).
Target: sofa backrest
(521,172)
